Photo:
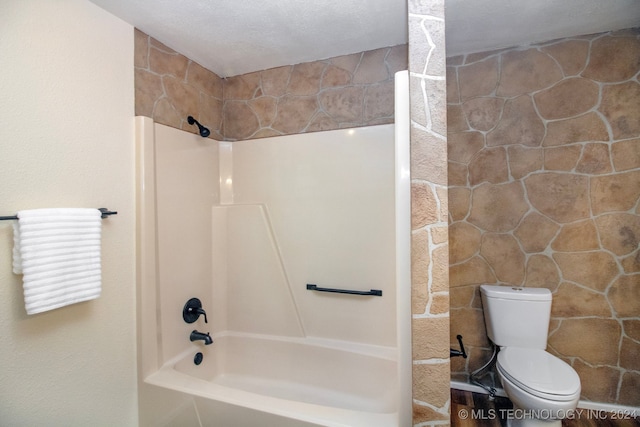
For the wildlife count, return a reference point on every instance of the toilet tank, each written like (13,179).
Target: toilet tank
(515,316)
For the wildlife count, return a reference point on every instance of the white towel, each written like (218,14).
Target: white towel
(58,253)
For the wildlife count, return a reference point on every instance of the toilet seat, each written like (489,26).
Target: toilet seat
(539,373)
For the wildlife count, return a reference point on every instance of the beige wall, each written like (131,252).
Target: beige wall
(66,102)
(544,190)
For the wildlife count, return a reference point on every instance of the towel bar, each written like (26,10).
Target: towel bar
(105,214)
(373,292)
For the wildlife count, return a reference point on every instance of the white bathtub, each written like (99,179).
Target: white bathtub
(291,377)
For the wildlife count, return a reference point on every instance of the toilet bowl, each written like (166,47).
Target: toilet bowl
(543,388)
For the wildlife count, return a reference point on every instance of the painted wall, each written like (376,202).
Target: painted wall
(544,191)
(66,102)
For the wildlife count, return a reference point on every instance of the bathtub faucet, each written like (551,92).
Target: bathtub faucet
(195,336)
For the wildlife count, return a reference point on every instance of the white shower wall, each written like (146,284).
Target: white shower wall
(186,179)
(244,226)
(311,208)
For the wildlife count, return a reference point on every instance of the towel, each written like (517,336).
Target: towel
(58,253)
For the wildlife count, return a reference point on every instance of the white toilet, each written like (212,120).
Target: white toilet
(542,388)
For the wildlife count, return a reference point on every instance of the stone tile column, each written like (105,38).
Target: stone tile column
(429,212)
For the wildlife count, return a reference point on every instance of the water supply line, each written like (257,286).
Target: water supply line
(474,375)
(455,353)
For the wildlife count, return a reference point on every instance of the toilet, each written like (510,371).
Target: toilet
(542,388)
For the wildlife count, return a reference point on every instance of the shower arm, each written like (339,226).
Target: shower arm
(204,132)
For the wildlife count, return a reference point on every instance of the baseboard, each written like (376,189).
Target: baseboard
(583,404)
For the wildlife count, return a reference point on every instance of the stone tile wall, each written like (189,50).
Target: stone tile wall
(544,190)
(169,87)
(346,91)
(429,252)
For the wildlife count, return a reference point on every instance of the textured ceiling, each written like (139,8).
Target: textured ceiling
(232,37)
(481,25)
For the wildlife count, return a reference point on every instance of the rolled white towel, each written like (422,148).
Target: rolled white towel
(58,253)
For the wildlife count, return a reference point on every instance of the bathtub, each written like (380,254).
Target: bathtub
(293,378)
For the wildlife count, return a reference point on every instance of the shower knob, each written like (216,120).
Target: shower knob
(192,310)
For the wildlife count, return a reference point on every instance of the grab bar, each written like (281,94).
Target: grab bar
(374,292)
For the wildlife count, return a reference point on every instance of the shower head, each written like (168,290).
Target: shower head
(204,132)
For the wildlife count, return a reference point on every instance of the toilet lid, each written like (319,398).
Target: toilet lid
(539,373)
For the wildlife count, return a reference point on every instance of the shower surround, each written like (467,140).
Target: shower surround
(244,226)
(544,190)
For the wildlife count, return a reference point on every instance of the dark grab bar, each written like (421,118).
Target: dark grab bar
(373,292)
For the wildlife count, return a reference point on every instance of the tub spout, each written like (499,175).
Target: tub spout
(195,336)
